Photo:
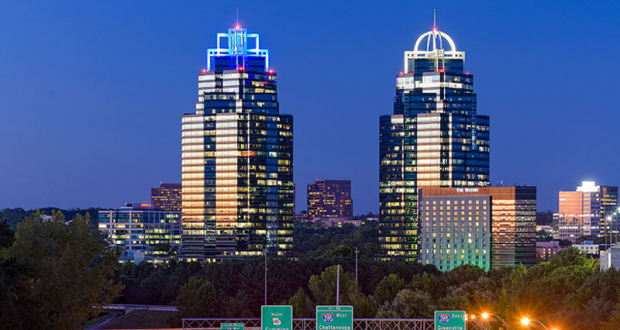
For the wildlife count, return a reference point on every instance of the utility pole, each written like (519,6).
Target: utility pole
(356,252)
(338,287)
(266,277)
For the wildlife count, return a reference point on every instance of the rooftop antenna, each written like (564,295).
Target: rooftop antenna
(434,19)
(237,15)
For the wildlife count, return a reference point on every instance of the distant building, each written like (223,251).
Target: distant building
(334,222)
(586,211)
(140,228)
(487,226)
(167,197)
(610,258)
(589,248)
(546,250)
(330,199)
(548,229)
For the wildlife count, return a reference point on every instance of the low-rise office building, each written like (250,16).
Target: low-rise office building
(140,228)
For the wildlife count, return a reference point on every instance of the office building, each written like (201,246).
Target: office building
(588,211)
(610,257)
(434,138)
(166,197)
(330,199)
(590,249)
(237,157)
(547,250)
(140,228)
(487,226)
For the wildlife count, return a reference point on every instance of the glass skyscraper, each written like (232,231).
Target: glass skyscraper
(237,156)
(434,138)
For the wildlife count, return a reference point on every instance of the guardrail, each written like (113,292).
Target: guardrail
(310,324)
(125,307)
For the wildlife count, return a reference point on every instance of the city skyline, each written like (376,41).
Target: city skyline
(113,148)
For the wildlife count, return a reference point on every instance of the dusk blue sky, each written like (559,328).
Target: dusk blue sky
(92,92)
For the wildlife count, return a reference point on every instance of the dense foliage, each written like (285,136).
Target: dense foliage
(52,273)
(568,292)
(17,215)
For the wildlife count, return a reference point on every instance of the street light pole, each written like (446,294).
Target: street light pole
(266,277)
(508,326)
(338,287)
(356,252)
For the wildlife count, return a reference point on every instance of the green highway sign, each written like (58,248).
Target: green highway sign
(450,320)
(276,318)
(334,317)
(232,326)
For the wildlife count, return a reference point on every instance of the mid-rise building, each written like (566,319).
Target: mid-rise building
(486,226)
(434,138)
(237,157)
(138,227)
(330,199)
(588,211)
(546,250)
(166,197)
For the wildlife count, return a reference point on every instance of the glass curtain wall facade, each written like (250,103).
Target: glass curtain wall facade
(138,227)
(237,157)
(434,138)
(588,211)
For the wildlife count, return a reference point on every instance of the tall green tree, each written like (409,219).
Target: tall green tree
(7,236)
(69,272)
(323,286)
(302,305)
(388,288)
(197,299)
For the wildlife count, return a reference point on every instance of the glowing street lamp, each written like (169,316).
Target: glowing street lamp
(486,316)
(526,321)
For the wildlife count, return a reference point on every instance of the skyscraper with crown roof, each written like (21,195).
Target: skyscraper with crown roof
(237,157)
(434,138)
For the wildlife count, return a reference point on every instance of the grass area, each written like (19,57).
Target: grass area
(141,319)
(99,317)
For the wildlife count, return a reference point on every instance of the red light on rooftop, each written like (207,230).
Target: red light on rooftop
(204,70)
(237,26)
(270,70)
(435,28)
(240,68)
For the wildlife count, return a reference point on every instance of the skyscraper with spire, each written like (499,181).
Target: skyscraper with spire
(237,157)
(434,138)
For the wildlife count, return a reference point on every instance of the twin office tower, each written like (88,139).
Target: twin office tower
(237,150)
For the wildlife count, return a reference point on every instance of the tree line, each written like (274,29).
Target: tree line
(53,273)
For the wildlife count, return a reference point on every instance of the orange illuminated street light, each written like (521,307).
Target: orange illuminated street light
(526,321)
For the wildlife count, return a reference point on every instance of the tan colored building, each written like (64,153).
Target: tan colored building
(585,212)
(485,226)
